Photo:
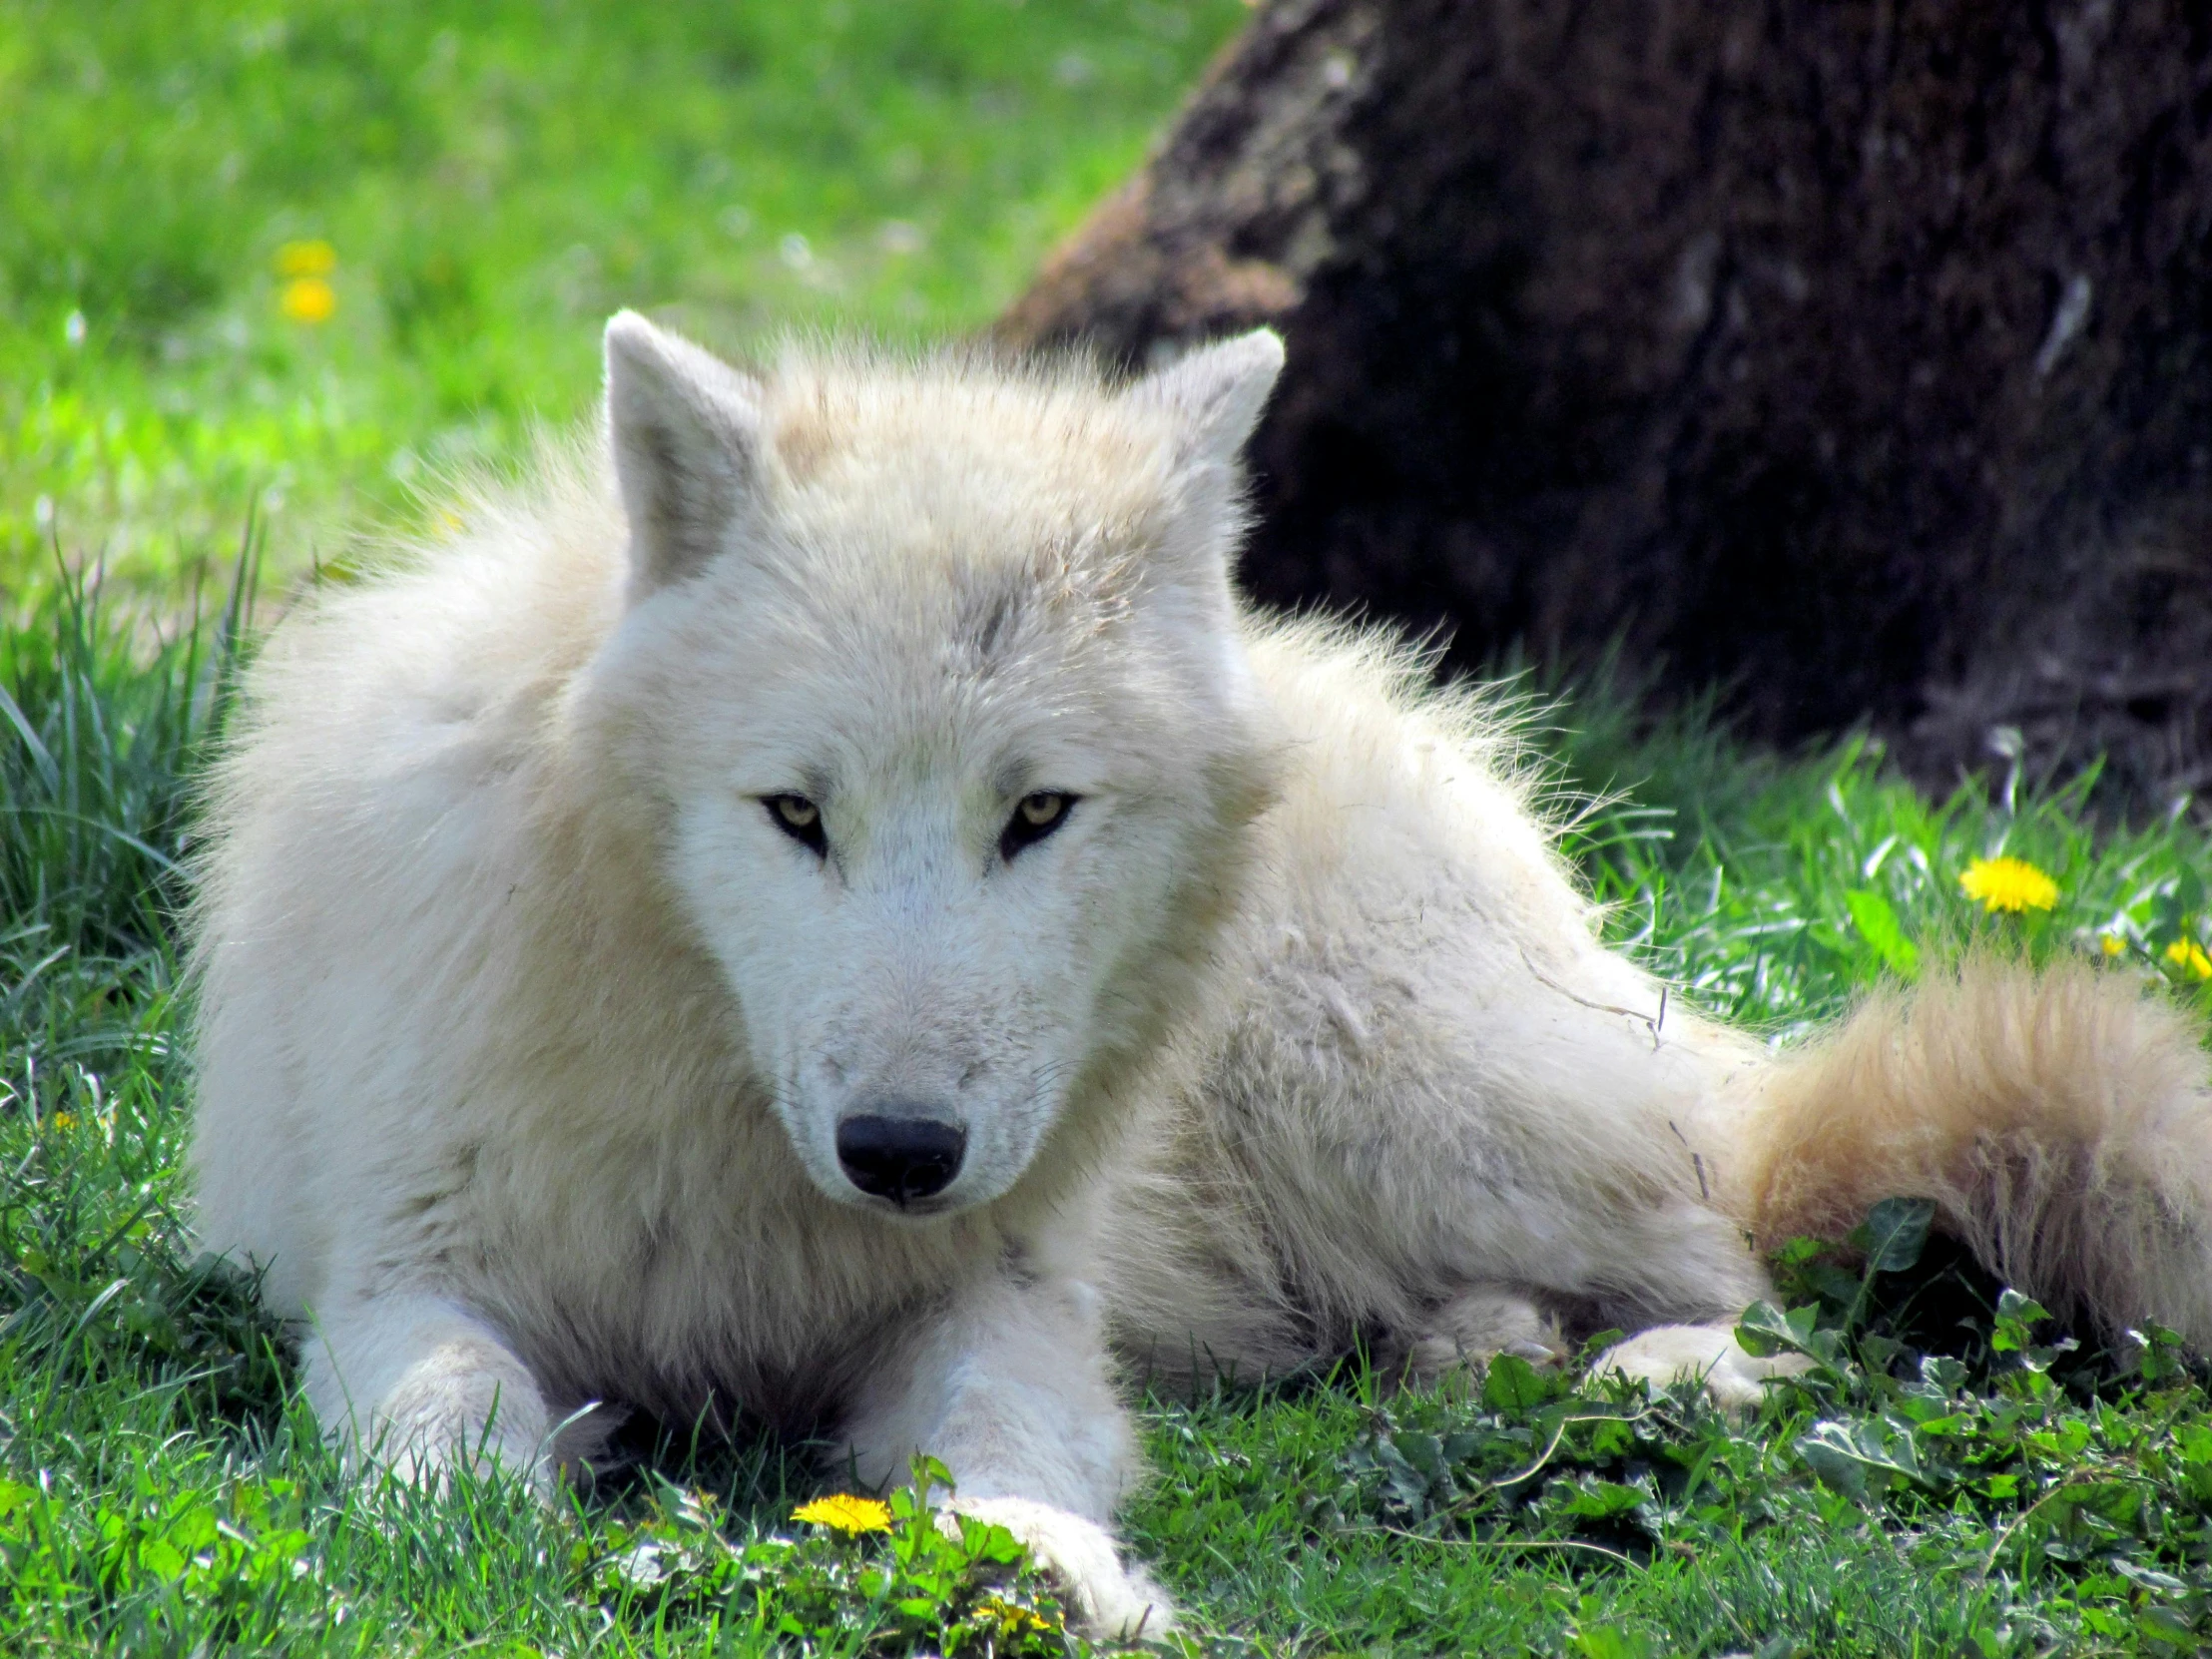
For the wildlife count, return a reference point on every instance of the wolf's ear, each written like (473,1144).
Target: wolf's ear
(1216,393)
(689,444)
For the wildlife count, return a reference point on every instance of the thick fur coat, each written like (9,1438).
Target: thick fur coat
(877,748)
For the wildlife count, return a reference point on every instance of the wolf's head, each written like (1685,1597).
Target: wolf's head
(933,673)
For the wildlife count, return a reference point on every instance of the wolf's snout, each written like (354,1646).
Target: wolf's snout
(901,1158)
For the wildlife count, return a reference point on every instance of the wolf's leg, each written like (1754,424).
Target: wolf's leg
(1710,1353)
(1011,1390)
(417,1383)
(1449,1160)
(1479,1323)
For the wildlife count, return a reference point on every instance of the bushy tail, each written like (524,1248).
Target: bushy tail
(2061,1120)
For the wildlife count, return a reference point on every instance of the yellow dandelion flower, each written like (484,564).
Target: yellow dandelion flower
(2189,956)
(842,1512)
(305,259)
(2111,945)
(62,1120)
(2009,884)
(308,299)
(1010,1619)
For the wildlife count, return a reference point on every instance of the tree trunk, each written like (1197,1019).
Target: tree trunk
(1853,356)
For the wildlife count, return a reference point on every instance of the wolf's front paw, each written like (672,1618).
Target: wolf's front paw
(1475,1325)
(1109,1600)
(416,1453)
(1669,1353)
(461,1404)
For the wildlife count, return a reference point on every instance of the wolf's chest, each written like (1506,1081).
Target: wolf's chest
(764,1301)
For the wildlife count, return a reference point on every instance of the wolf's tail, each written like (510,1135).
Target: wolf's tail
(2061,1120)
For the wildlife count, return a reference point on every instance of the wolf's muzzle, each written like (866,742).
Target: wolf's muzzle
(900,1158)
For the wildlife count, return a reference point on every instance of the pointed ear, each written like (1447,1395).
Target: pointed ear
(689,442)
(1216,393)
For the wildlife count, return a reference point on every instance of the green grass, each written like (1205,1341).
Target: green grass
(163,1492)
(492,178)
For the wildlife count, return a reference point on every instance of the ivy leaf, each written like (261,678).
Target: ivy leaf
(1424,1452)
(1408,1485)
(1597,1499)
(1764,1330)
(1895,1233)
(1864,1458)
(1512,1384)
(2018,1315)
(1878,924)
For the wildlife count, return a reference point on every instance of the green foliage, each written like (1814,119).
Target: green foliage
(2054,1507)
(104,719)
(1773,893)
(494,179)
(929,1582)
(1947,1476)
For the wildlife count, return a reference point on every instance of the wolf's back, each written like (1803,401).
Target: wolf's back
(2060,1119)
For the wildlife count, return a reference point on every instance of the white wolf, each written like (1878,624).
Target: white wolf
(829,904)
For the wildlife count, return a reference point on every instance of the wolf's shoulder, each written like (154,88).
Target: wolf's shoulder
(449,655)
(1404,793)
(1363,710)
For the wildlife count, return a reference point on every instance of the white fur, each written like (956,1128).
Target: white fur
(525,1032)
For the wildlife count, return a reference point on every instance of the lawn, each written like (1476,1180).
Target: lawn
(485,182)
(488,179)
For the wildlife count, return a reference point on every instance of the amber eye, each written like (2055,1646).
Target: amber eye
(1035,817)
(799,818)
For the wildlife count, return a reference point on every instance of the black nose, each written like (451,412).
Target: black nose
(900,1159)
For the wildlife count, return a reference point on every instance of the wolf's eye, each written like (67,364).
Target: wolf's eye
(799,818)
(1035,817)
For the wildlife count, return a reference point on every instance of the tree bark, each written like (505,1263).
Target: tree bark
(1851,355)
